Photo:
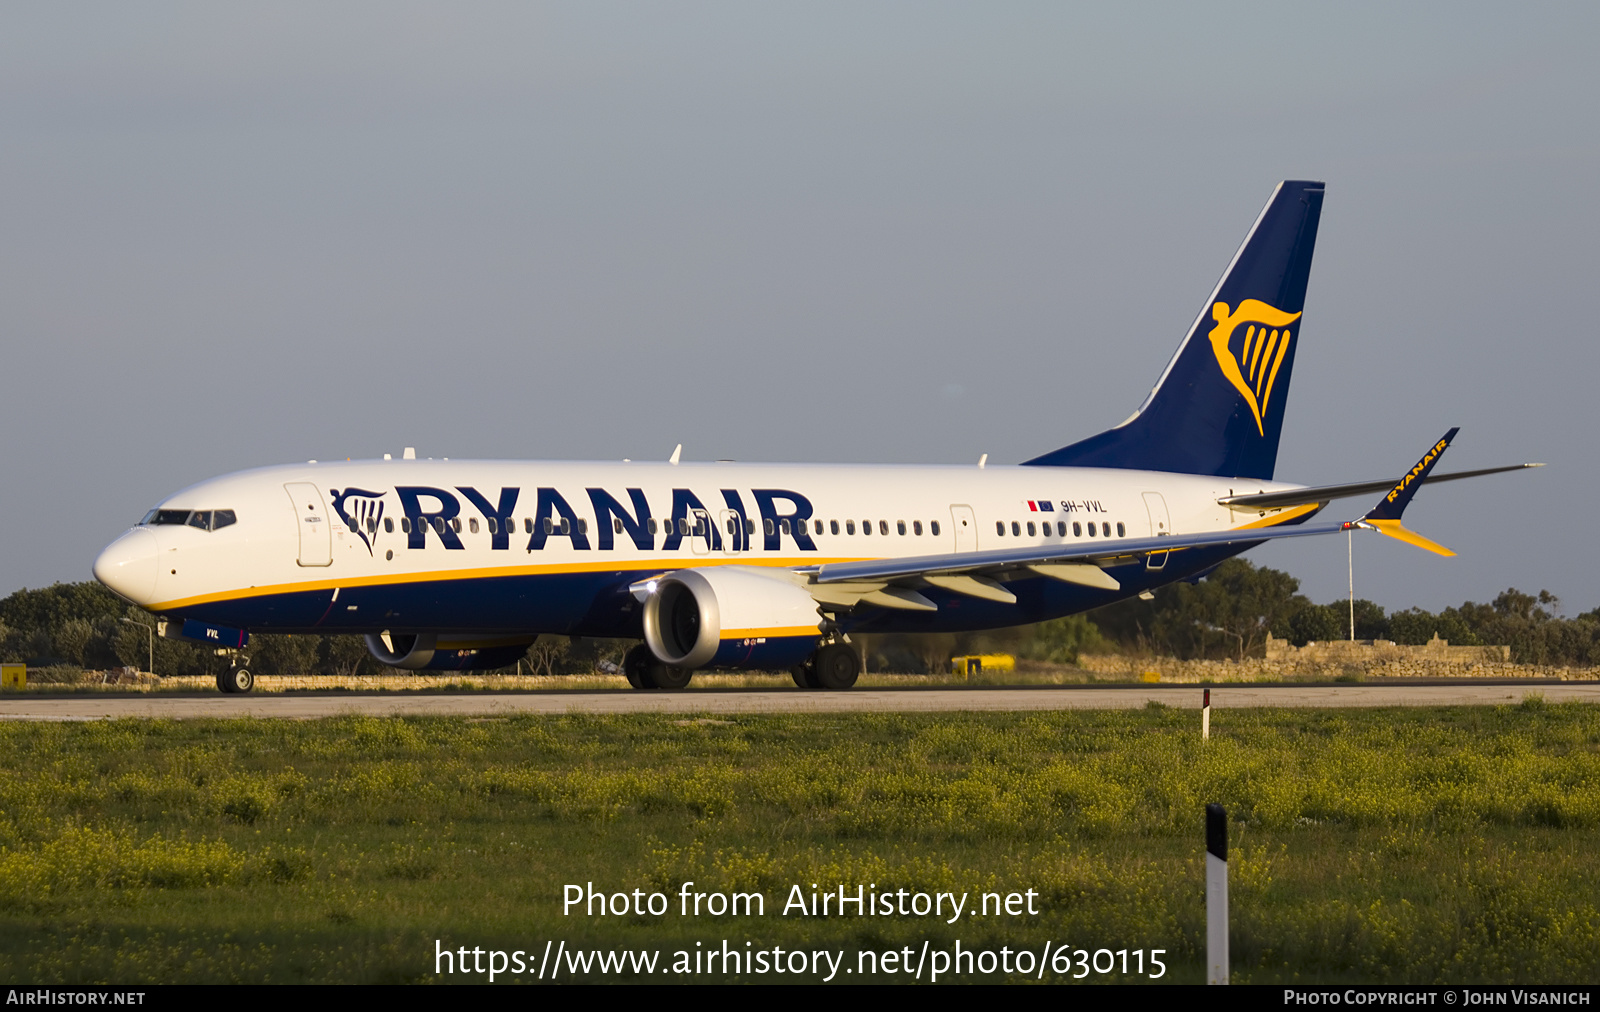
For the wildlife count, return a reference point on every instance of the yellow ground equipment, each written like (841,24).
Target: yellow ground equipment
(976,664)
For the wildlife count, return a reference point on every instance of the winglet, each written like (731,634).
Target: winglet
(1385,517)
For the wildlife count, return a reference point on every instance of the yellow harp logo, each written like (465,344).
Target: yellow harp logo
(1254,369)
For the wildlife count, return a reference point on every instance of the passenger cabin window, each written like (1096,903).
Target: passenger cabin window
(583,525)
(1031,531)
(783,526)
(768,527)
(1077,529)
(1091,530)
(1016,529)
(472,525)
(1061,528)
(916,528)
(833,526)
(849,526)
(866,527)
(749,527)
(819,526)
(1105,529)
(1120,531)
(933,528)
(733,526)
(405,525)
(527,525)
(650,525)
(900,525)
(1000,527)
(883,527)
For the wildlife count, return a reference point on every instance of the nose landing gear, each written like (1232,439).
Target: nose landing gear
(237,679)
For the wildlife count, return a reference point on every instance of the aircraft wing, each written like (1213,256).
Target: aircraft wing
(1082,554)
(871,581)
(1327,493)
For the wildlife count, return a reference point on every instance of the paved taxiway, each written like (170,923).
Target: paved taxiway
(309,706)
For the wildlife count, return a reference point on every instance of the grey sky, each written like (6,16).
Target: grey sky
(234,235)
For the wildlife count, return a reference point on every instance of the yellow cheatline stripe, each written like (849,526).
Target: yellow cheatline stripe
(1394,530)
(1284,517)
(771,633)
(398,579)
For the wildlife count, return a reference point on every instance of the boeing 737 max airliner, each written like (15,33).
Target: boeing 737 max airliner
(462,564)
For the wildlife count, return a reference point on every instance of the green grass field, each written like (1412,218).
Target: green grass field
(1385,845)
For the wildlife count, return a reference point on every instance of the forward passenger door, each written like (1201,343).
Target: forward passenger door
(311,520)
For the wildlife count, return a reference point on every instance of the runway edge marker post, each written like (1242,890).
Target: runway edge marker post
(1216,894)
(1205,717)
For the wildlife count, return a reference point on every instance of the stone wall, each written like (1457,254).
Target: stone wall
(1435,650)
(1316,668)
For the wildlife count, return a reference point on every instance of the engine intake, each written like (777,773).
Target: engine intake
(729,616)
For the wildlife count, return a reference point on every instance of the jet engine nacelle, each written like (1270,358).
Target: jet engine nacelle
(729,617)
(444,652)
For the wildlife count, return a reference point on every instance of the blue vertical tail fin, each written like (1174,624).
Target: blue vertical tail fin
(1218,408)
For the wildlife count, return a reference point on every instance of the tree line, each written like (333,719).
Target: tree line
(1227,614)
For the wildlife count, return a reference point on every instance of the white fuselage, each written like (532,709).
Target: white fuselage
(514,546)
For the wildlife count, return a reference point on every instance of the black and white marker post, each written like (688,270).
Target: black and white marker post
(1216,895)
(1205,717)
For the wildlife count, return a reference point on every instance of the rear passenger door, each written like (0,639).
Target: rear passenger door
(965,527)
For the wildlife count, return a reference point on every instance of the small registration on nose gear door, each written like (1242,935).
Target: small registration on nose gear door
(311,518)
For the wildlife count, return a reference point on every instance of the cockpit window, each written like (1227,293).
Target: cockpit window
(205,520)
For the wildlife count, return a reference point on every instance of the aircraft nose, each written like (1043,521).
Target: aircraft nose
(128,566)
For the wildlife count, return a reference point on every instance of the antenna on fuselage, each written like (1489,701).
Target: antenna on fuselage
(410,454)
(676,453)
(983,461)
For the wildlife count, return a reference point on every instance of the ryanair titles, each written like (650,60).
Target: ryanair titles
(426,512)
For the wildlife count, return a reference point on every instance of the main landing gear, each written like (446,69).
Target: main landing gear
(237,679)
(834,666)
(644,671)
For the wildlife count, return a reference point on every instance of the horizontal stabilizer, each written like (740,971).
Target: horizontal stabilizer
(1328,493)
